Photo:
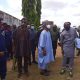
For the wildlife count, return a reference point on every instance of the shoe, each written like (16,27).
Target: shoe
(78,54)
(70,74)
(26,73)
(3,79)
(30,64)
(44,73)
(19,75)
(62,71)
(47,71)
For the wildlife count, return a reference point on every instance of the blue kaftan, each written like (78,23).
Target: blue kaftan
(45,41)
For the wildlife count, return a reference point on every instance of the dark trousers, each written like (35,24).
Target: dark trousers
(20,64)
(54,52)
(54,44)
(33,48)
(3,67)
(33,54)
(9,49)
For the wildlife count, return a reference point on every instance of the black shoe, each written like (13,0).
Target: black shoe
(47,71)
(30,63)
(26,73)
(3,79)
(62,71)
(78,54)
(19,75)
(35,62)
(44,73)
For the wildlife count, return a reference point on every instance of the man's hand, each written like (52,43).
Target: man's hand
(59,43)
(1,54)
(44,51)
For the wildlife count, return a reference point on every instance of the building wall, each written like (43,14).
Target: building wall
(10,20)
(48,22)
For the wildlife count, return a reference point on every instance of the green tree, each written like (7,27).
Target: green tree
(38,10)
(31,9)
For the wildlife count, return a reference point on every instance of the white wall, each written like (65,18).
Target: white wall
(10,20)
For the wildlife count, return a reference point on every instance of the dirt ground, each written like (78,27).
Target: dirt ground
(54,68)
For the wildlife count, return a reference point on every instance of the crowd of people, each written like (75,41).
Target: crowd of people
(20,44)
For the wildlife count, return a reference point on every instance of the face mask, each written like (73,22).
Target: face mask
(32,27)
(48,26)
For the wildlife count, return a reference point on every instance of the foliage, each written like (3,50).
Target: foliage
(31,9)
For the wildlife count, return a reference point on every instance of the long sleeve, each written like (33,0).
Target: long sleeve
(61,39)
(42,40)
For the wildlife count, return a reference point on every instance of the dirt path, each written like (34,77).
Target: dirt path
(54,67)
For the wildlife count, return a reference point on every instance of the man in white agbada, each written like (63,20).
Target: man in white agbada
(45,50)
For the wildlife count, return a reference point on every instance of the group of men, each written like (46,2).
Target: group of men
(24,41)
(16,43)
(5,47)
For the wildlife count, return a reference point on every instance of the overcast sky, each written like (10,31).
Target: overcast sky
(58,11)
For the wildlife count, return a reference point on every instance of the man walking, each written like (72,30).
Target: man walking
(45,50)
(22,47)
(67,39)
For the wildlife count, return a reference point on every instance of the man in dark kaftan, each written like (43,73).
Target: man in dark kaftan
(22,46)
